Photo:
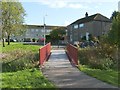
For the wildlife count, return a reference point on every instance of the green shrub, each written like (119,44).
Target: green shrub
(33,40)
(83,57)
(102,57)
(104,63)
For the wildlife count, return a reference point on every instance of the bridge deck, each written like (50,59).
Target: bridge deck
(59,70)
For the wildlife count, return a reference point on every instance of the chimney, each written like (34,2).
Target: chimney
(86,15)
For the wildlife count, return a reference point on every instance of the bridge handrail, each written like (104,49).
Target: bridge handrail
(44,53)
(72,53)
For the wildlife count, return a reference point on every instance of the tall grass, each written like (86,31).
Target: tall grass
(104,57)
(19,57)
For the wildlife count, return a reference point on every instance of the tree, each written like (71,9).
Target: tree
(114,34)
(57,34)
(12,19)
(114,15)
(48,38)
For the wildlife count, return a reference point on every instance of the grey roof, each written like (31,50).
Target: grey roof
(91,18)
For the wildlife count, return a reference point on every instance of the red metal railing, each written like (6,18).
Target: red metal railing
(72,52)
(44,53)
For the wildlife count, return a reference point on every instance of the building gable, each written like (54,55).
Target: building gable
(95,17)
(100,17)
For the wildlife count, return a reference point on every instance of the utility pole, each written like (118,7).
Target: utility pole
(44,29)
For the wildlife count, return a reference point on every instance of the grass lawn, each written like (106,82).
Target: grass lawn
(109,76)
(20,67)
(28,78)
(17,46)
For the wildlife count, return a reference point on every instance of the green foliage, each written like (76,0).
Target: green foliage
(114,33)
(28,78)
(57,34)
(83,59)
(17,46)
(19,57)
(48,38)
(20,67)
(12,17)
(83,38)
(114,15)
(91,37)
(109,76)
(102,57)
(33,39)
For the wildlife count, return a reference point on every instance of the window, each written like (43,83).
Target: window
(48,30)
(71,38)
(37,34)
(75,26)
(81,36)
(32,30)
(42,30)
(36,30)
(27,34)
(81,25)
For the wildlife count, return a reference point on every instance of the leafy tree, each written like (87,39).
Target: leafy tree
(48,38)
(114,15)
(114,34)
(12,17)
(57,34)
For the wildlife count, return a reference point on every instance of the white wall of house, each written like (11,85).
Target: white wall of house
(34,31)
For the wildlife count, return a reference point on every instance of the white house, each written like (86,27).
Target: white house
(35,32)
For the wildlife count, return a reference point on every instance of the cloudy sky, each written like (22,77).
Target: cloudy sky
(64,12)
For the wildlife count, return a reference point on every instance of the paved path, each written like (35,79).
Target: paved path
(59,70)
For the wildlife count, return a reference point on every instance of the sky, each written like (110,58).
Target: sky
(64,12)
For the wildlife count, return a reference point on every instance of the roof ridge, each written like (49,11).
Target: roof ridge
(88,18)
(92,16)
